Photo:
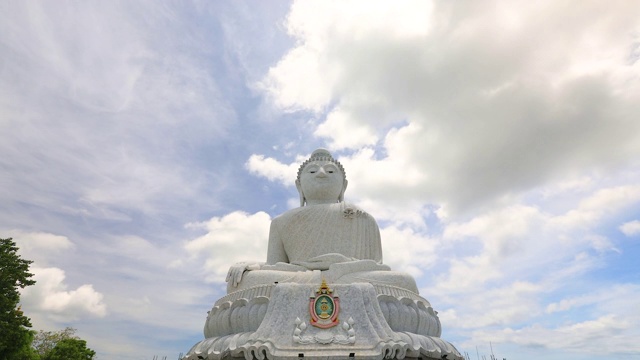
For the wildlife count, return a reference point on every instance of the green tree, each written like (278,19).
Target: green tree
(45,341)
(26,352)
(14,326)
(70,349)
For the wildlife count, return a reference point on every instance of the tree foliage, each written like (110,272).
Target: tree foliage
(26,352)
(14,274)
(70,349)
(61,344)
(45,341)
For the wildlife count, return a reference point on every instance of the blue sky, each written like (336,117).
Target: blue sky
(147,145)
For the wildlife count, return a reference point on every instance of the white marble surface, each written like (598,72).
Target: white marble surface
(366,333)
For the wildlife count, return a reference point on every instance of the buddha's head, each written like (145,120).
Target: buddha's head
(321,179)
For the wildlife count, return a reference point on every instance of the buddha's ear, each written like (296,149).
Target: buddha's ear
(344,188)
(302,199)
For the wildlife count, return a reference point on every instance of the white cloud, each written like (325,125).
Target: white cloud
(99,107)
(272,169)
(309,94)
(517,241)
(50,295)
(507,263)
(233,238)
(608,328)
(342,134)
(607,299)
(319,26)
(44,249)
(511,241)
(600,336)
(508,304)
(501,104)
(631,228)
(32,244)
(602,204)
(598,321)
(407,251)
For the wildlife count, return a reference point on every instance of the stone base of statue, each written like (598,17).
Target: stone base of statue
(288,320)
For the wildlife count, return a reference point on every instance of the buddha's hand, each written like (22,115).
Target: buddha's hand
(236,271)
(323,262)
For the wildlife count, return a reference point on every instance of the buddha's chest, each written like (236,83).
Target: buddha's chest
(314,233)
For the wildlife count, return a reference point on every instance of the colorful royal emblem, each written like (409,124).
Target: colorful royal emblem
(324,307)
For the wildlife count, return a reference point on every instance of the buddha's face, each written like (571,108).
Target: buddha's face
(321,181)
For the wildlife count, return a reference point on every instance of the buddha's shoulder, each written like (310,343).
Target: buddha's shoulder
(342,208)
(353,211)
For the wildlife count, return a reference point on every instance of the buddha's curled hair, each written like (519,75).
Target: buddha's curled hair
(321,155)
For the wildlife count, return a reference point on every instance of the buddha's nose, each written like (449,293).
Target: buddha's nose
(322,173)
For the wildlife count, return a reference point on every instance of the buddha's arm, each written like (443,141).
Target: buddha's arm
(275,254)
(368,245)
(375,246)
(323,262)
(234,276)
(275,250)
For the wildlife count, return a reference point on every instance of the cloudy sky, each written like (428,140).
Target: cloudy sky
(147,145)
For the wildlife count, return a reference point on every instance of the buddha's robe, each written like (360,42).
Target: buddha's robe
(302,234)
(309,231)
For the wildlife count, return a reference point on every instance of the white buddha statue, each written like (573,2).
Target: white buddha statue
(323,238)
(325,241)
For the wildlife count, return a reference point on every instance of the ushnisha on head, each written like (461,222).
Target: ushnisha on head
(321,179)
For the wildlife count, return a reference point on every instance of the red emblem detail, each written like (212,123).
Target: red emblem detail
(324,307)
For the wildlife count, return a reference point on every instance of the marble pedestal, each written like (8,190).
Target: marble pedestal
(273,322)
